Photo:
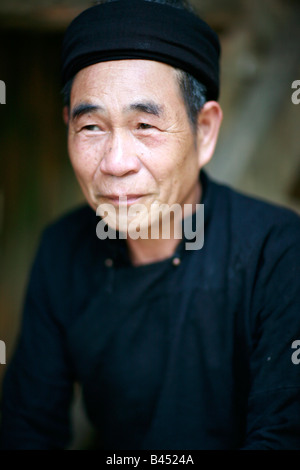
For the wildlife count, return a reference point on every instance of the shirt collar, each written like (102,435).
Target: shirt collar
(117,251)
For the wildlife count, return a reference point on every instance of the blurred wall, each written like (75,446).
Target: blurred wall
(258,150)
(37,183)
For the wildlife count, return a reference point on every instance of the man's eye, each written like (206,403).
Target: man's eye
(92,127)
(143,126)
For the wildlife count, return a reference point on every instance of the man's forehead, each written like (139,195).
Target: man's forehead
(145,81)
(138,68)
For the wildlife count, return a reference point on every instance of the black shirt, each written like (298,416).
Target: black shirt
(189,355)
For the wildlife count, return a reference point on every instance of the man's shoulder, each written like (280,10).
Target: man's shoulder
(65,244)
(67,229)
(255,212)
(254,223)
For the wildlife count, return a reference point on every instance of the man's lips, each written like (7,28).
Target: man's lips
(124,199)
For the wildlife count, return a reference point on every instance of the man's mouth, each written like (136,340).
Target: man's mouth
(122,200)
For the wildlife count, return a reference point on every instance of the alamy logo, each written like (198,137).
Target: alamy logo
(2,353)
(159,221)
(296,354)
(2,92)
(296,95)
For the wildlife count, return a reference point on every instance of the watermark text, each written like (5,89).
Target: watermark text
(2,92)
(159,221)
(296,354)
(2,352)
(296,94)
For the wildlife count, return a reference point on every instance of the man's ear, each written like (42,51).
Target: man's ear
(66,115)
(209,122)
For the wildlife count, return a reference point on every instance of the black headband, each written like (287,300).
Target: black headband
(139,29)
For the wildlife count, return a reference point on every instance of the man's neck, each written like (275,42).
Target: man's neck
(150,251)
(147,251)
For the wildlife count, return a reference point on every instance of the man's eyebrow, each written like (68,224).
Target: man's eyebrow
(148,107)
(85,108)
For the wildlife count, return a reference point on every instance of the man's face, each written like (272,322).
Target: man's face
(129,135)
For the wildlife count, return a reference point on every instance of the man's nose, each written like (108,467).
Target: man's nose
(120,155)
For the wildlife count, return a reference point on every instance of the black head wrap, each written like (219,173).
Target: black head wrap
(139,29)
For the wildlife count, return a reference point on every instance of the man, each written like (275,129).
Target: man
(174,348)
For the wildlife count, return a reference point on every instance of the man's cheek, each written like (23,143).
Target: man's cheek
(83,159)
(157,142)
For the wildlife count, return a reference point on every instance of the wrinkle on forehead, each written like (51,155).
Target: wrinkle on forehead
(139,85)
